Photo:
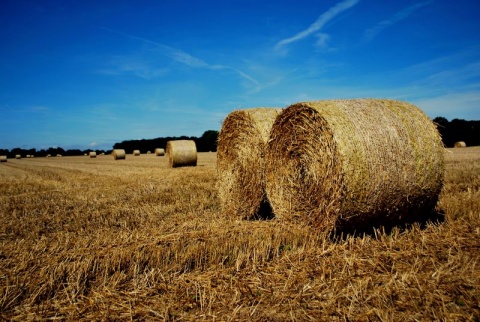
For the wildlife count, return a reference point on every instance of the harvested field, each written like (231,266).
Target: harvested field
(149,242)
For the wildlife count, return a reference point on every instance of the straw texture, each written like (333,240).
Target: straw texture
(460,144)
(240,160)
(181,153)
(353,163)
(119,154)
(159,152)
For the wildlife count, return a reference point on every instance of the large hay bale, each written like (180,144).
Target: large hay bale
(18,156)
(181,153)
(119,154)
(92,154)
(353,163)
(240,161)
(460,144)
(3,158)
(136,153)
(159,152)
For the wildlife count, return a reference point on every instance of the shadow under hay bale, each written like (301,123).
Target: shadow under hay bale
(181,153)
(353,163)
(240,162)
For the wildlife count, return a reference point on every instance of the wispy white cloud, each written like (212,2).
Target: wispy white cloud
(319,23)
(185,58)
(397,17)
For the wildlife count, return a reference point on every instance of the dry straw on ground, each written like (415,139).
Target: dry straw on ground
(240,160)
(159,152)
(136,153)
(3,158)
(118,154)
(92,154)
(181,153)
(353,163)
(460,144)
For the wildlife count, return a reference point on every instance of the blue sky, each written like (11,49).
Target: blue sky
(87,74)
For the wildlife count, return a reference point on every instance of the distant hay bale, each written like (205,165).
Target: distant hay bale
(240,160)
(59,155)
(18,156)
(92,154)
(3,158)
(136,153)
(353,163)
(49,155)
(148,152)
(119,154)
(181,153)
(159,152)
(27,156)
(103,153)
(460,144)
(85,154)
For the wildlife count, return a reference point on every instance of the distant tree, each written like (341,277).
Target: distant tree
(208,141)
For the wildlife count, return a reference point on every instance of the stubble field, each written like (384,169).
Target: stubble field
(98,239)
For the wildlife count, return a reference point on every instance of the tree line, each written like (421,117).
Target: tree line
(207,142)
(458,130)
(451,132)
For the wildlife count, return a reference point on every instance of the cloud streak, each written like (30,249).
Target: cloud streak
(183,57)
(319,23)
(397,17)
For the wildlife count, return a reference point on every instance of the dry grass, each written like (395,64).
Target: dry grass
(147,242)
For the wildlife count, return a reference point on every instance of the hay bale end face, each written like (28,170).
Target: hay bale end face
(357,163)
(136,153)
(240,161)
(460,144)
(119,154)
(92,154)
(3,158)
(181,153)
(159,152)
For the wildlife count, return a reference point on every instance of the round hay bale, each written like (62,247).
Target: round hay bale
(460,144)
(353,163)
(3,158)
(136,153)
(159,152)
(240,161)
(119,154)
(59,155)
(181,153)
(18,156)
(49,155)
(148,152)
(92,154)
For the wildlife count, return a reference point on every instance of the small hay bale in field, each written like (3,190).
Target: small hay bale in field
(118,154)
(181,153)
(18,156)
(353,163)
(59,155)
(92,154)
(148,152)
(460,144)
(159,152)
(3,158)
(240,161)
(136,153)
